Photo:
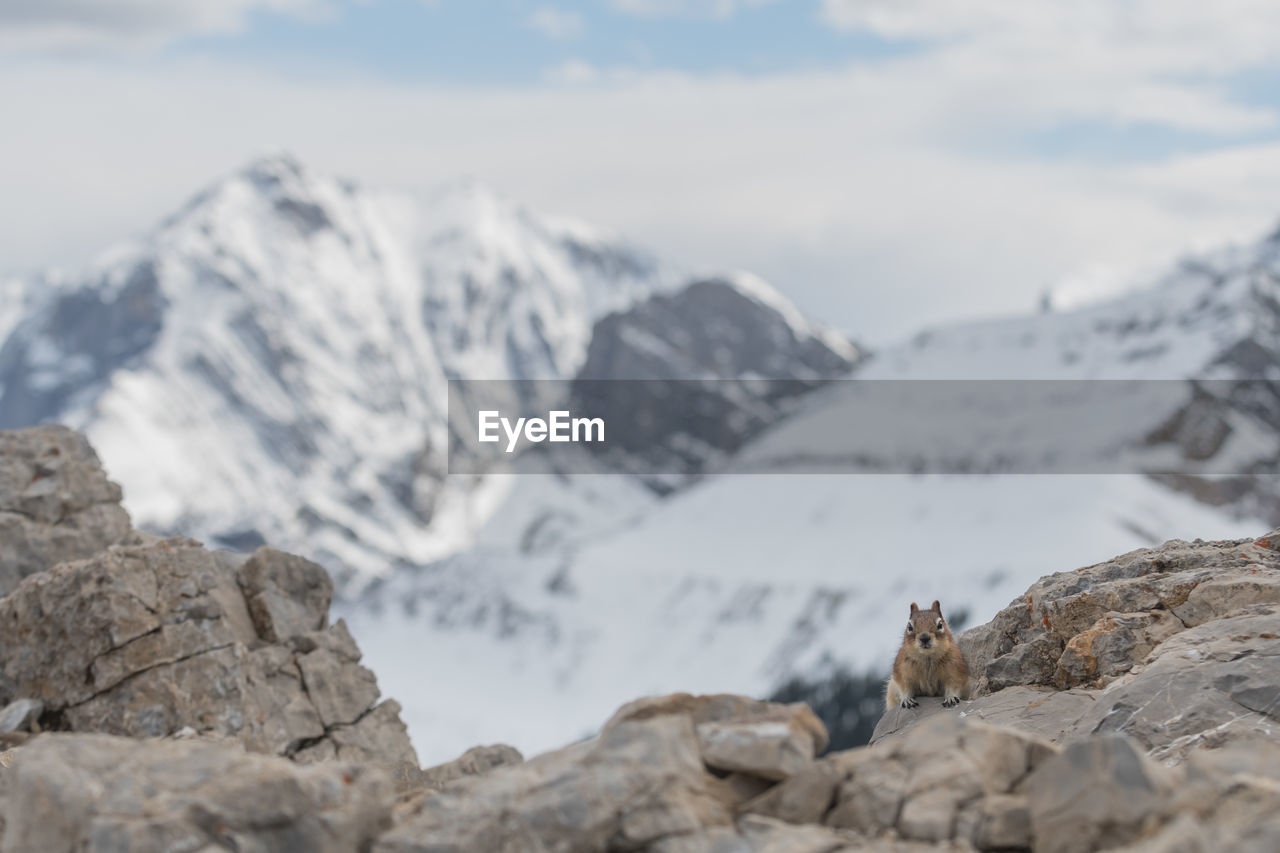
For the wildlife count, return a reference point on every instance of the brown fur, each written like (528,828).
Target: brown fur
(938,669)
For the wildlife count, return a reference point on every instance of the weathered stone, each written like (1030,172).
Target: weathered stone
(1032,662)
(871,797)
(1045,713)
(97,792)
(1023,644)
(286,594)
(809,795)
(56,503)
(1003,823)
(931,787)
(1227,595)
(1112,646)
(738,734)
(145,640)
(377,735)
(1098,793)
(639,782)
(1183,637)
(20,715)
(1208,686)
(773,746)
(757,834)
(337,685)
(473,762)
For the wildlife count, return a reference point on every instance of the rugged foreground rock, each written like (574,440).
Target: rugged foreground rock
(56,502)
(158,696)
(1177,647)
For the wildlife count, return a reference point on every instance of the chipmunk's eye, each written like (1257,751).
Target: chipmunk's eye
(911,629)
(939,624)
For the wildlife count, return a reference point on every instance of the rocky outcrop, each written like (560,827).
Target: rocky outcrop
(103,793)
(157,696)
(56,502)
(145,640)
(1177,647)
(107,630)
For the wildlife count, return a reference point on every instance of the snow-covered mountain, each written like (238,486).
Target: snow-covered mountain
(269,364)
(583,590)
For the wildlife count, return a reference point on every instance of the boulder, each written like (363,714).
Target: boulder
(56,503)
(473,762)
(757,834)
(639,782)
(1212,685)
(736,734)
(1175,646)
(73,792)
(1088,626)
(954,781)
(1041,711)
(143,640)
(1099,793)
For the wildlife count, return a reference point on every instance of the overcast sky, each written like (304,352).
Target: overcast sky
(886,163)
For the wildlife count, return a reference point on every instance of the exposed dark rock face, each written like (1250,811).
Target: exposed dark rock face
(741,360)
(75,341)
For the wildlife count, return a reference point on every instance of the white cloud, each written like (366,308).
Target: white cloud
(847,188)
(128,24)
(1156,61)
(557,23)
(870,193)
(685,8)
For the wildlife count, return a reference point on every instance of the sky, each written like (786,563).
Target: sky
(888,164)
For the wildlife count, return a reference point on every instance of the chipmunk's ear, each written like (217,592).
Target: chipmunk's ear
(937,606)
(915,608)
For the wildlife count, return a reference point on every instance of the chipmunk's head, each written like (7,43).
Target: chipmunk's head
(927,629)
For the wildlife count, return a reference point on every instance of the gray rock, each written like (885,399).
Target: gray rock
(340,689)
(144,640)
(1208,686)
(1097,794)
(56,502)
(757,834)
(1050,714)
(1175,646)
(102,793)
(286,594)
(1025,642)
(772,746)
(641,781)
(20,714)
(953,781)
(736,734)
(473,762)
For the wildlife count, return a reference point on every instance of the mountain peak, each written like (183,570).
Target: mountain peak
(277,164)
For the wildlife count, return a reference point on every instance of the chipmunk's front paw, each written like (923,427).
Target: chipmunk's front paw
(910,703)
(951,702)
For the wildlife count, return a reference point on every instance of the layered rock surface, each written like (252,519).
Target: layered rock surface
(113,631)
(157,696)
(1177,647)
(56,502)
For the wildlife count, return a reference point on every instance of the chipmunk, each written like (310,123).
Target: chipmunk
(929,662)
